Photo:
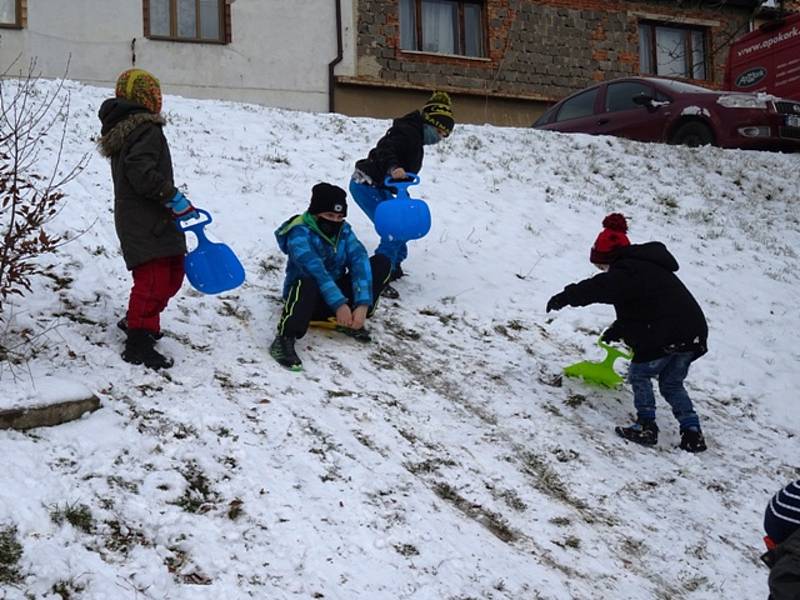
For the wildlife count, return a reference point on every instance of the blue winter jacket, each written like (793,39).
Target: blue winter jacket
(313,254)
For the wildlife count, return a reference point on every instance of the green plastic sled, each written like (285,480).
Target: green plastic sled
(600,373)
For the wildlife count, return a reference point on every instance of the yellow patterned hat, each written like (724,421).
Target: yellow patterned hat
(139,86)
(438,111)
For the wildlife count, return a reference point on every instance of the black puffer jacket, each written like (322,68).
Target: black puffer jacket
(141,167)
(656,314)
(401,146)
(784,574)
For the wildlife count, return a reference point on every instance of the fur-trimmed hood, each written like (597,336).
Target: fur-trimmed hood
(120,118)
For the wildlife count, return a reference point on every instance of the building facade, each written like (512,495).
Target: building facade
(274,52)
(503,61)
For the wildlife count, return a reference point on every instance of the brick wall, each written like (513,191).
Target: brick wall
(541,49)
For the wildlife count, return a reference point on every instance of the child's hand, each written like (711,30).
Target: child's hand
(359,316)
(344,316)
(182,209)
(398,173)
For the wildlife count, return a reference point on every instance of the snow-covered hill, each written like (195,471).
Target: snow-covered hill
(447,459)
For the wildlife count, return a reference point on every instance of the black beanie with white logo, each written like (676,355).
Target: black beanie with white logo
(328,198)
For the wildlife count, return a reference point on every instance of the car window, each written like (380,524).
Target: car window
(545,118)
(578,106)
(620,95)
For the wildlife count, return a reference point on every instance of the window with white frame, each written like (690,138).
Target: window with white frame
(187,20)
(673,50)
(443,27)
(10,13)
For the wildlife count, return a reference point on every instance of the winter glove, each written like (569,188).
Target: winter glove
(182,209)
(557,302)
(612,334)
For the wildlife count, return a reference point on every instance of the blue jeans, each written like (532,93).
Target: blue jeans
(368,198)
(671,372)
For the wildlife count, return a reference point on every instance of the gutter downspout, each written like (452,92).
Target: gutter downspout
(339,55)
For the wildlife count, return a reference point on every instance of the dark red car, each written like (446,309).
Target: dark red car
(653,109)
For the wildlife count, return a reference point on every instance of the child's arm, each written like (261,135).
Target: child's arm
(299,250)
(360,271)
(141,167)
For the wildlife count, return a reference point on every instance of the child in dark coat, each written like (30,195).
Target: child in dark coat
(398,152)
(656,316)
(782,526)
(328,274)
(146,207)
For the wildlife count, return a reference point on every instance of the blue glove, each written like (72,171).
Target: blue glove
(182,209)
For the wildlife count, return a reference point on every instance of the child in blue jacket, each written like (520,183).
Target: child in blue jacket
(328,273)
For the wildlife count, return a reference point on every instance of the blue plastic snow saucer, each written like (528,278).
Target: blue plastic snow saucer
(212,267)
(402,218)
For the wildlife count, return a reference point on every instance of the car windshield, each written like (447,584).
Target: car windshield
(683,88)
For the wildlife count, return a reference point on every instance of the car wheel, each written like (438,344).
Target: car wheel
(693,134)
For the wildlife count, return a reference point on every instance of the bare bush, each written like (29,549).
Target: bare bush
(30,113)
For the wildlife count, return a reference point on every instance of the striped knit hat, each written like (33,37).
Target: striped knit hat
(438,111)
(139,86)
(782,517)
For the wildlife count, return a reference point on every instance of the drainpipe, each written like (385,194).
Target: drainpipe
(339,54)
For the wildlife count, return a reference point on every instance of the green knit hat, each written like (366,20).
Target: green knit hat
(139,86)
(438,111)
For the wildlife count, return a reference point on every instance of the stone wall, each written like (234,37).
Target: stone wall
(539,49)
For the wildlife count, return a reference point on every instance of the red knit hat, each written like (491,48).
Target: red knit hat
(610,239)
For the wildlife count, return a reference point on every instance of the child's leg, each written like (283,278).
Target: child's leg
(381,271)
(176,274)
(670,384)
(301,305)
(368,198)
(639,376)
(153,286)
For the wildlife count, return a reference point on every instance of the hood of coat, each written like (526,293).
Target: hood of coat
(309,221)
(119,118)
(653,252)
(411,123)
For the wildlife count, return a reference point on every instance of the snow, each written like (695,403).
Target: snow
(37,390)
(695,110)
(445,460)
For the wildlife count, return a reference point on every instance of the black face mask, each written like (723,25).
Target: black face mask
(329,228)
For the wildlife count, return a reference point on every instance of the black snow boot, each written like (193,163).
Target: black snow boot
(692,440)
(362,335)
(641,432)
(282,350)
(139,350)
(397,273)
(390,292)
(123,325)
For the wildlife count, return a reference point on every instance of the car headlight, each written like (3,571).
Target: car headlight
(738,101)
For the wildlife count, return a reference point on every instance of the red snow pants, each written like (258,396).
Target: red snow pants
(154,283)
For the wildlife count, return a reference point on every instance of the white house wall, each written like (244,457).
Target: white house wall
(279,55)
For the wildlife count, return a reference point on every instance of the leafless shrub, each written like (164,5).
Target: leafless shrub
(30,113)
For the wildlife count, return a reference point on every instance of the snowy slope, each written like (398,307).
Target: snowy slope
(446,460)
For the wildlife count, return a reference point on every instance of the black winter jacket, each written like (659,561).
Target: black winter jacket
(656,314)
(784,574)
(401,146)
(141,167)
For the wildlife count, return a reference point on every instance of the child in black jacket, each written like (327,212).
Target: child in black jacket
(398,152)
(656,316)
